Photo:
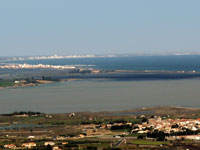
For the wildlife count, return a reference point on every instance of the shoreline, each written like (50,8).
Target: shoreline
(40,82)
(115,77)
(128,75)
(134,111)
(27,85)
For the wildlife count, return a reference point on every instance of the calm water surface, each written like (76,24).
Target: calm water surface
(100,95)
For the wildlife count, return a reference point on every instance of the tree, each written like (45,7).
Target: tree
(49,147)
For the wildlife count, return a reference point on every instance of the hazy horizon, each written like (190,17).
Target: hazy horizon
(112,54)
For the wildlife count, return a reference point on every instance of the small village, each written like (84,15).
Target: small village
(92,132)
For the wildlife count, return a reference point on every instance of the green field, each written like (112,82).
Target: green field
(148,142)
(6,83)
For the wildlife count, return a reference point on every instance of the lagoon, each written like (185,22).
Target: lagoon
(100,95)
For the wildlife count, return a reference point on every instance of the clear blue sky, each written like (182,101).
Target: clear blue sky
(45,27)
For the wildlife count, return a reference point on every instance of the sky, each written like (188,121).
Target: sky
(65,27)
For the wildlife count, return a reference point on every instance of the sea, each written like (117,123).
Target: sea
(167,63)
(105,94)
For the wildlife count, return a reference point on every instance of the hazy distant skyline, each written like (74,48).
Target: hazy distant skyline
(67,27)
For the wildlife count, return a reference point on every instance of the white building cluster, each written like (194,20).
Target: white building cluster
(167,125)
(39,66)
(53,57)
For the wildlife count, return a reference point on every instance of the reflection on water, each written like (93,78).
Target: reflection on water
(131,113)
(89,95)
(20,126)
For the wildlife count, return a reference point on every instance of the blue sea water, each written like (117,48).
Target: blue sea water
(166,63)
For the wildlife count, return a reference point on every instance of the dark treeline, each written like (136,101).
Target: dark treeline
(160,135)
(50,79)
(29,113)
(136,76)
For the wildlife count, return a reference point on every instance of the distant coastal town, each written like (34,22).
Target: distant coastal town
(39,66)
(52,57)
(23,75)
(57,57)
